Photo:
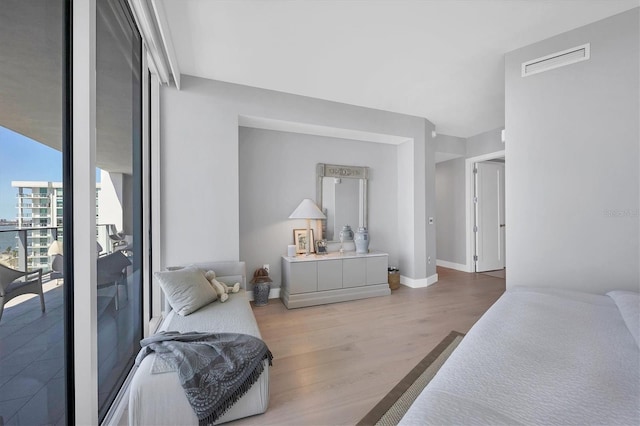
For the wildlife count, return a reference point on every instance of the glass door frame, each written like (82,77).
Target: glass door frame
(80,214)
(67,217)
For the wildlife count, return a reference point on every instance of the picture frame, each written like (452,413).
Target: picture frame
(321,247)
(299,239)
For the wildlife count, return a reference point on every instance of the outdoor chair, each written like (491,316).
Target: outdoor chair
(111,271)
(57,267)
(117,238)
(14,283)
(56,250)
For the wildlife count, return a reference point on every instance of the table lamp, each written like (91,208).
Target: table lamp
(307,210)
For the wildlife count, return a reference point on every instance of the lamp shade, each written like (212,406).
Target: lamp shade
(307,210)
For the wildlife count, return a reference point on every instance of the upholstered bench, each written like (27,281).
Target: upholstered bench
(158,399)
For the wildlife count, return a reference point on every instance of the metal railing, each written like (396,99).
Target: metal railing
(23,249)
(20,253)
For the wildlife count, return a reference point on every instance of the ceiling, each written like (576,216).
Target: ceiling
(31,92)
(31,70)
(438,59)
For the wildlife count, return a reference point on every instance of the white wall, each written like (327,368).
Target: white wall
(425,196)
(451,223)
(110,199)
(200,187)
(405,191)
(451,145)
(278,170)
(116,201)
(572,162)
(485,143)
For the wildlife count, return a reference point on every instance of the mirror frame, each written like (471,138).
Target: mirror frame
(338,171)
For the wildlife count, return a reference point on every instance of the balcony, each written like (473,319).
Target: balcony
(32,358)
(32,351)
(32,376)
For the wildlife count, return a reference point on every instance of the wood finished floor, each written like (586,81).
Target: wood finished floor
(333,363)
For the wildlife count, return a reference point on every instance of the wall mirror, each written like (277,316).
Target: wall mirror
(341,193)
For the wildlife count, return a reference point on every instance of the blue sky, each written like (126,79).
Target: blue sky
(24,159)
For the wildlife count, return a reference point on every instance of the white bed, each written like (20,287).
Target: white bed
(542,356)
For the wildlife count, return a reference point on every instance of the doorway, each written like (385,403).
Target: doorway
(487,249)
(489,224)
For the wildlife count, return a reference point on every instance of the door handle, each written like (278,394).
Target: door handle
(502,225)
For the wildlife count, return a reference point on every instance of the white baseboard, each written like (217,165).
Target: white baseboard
(420,283)
(457,266)
(432,279)
(274,293)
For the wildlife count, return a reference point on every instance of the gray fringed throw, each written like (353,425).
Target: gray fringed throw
(215,369)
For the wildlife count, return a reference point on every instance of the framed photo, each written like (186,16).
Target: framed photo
(300,241)
(321,247)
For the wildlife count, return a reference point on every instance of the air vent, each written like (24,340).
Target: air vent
(556,60)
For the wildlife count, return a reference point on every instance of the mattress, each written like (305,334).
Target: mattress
(541,356)
(158,399)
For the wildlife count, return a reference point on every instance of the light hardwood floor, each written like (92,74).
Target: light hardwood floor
(333,363)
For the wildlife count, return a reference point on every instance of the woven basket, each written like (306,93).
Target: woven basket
(394,280)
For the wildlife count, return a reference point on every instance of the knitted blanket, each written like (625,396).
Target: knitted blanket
(215,369)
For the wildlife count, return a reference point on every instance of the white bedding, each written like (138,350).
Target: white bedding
(541,356)
(158,399)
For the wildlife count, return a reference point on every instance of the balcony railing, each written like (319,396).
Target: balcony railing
(21,254)
(32,195)
(25,248)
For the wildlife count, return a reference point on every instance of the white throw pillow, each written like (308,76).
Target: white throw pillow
(187,290)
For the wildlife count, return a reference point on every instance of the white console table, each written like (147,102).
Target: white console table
(334,277)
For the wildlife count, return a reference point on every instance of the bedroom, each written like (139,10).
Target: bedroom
(229,146)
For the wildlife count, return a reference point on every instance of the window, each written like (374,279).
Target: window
(41,363)
(34,147)
(119,202)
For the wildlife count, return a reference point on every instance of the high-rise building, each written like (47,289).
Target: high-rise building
(39,205)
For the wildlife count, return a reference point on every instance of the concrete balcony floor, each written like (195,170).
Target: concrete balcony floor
(32,376)
(32,360)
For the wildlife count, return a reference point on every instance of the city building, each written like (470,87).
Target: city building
(39,205)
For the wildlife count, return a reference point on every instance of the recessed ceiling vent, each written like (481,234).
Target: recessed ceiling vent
(556,60)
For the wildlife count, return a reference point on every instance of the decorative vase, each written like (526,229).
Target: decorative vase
(362,240)
(346,234)
(261,293)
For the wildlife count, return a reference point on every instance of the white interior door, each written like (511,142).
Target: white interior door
(489,215)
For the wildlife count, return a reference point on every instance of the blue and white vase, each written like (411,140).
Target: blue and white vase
(362,240)
(346,234)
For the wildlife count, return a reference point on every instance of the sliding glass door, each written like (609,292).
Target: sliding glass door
(38,158)
(119,196)
(34,152)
